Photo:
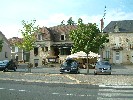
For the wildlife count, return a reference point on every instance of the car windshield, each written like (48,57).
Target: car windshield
(5,61)
(1,62)
(71,63)
(103,63)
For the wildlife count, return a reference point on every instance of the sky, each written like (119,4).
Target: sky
(49,13)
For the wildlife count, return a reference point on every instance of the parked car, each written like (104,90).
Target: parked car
(9,65)
(69,66)
(102,67)
(2,65)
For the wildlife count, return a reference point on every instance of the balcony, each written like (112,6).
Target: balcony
(117,48)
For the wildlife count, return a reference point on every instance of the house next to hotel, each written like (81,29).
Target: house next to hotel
(119,50)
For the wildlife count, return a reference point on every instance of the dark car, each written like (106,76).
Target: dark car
(69,66)
(102,67)
(9,65)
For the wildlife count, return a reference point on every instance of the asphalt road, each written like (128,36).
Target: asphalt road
(48,84)
(12,90)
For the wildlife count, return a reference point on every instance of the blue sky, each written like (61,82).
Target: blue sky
(51,12)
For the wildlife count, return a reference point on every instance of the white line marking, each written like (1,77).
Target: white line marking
(116,86)
(55,93)
(11,89)
(21,90)
(2,88)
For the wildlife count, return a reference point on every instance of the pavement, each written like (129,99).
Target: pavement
(121,75)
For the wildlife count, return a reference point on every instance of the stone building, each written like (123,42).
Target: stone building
(52,45)
(119,50)
(16,52)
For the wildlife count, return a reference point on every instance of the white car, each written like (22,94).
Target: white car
(102,67)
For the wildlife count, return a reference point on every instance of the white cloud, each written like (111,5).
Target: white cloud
(55,19)
(10,31)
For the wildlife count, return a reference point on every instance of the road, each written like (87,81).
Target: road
(48,84)
(12,90)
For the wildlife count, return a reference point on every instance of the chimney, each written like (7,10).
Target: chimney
(102,25)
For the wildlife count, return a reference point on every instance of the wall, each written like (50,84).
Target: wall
(121,40)
(5,48)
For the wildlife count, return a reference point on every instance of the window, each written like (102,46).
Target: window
(107,54)
(14,49)
(65,51)
(46,49)
(117,55)
(42,48)
(40,37)
(35,51)
(6,55)
(131,46)
(116,29)
(62,37)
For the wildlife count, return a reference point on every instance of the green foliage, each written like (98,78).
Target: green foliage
(27,32)
(70,21)
(1,45)
(87,37)
(62,22)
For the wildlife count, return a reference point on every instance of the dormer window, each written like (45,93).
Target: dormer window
(40,37)
(62,37)
(116,29)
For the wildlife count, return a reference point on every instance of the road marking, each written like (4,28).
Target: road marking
(69,94)
(117,86)
(122,91)
(72,78)
(12,89)
(2,88)
(55,93)
(21,90)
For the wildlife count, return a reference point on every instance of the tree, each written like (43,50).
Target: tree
(62,22)
(28,31)
(1,45)
(70,21)
(87,37)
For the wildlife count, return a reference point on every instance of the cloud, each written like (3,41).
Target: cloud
(55,19)
(112,15)
(117,15)
(10,31)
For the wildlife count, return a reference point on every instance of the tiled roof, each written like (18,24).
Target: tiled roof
(14,40)
(5,39)
(53,33)
(56,31)
(46,33)
(122,26)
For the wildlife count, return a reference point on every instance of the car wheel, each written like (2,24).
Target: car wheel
(95,73)
(78,72)
(6,69)
(15,69)
(61,73)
